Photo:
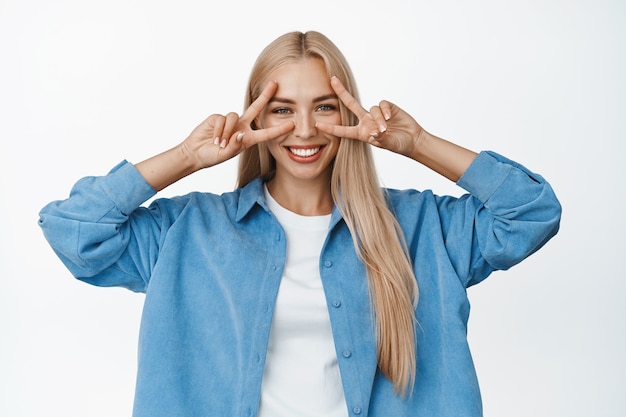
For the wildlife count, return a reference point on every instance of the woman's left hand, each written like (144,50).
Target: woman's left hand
(385,126)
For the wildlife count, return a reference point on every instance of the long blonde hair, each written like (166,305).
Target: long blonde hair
(377,236)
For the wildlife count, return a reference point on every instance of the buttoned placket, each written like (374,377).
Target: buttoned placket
(337,315)
(277,251)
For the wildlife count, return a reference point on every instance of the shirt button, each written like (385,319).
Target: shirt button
(336,303)
(356,410)
(346,353)
(328,264)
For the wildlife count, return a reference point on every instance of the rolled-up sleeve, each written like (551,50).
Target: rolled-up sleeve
(516,214)
(91,230)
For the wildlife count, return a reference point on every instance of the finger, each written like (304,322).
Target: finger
(263,135)
(386,107)
(218,128)
(259,104)
(379,119)
(229,126)
(348,132)
(346,98)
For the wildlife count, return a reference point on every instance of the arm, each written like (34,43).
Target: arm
(510,211)
(102,234)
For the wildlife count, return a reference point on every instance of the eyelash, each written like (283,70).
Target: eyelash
(329,107)
(321,107)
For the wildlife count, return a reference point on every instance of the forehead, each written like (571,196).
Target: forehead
(303,76)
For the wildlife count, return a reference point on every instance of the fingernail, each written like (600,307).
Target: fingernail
(216,141)
(374,135)
(239,137)
(223,144)
(382,128)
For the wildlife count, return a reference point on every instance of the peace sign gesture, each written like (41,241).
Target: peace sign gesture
(215,140)
(385,126)
(219,137)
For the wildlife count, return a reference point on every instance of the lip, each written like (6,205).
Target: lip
(303,158)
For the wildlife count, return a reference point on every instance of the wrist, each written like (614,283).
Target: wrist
(419,147)
(186,160)
(442,156)
(166,168)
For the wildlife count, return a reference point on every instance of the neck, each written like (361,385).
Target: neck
(307,198)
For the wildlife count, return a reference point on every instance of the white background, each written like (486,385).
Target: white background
(86,84)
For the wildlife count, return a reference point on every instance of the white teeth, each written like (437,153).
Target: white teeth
(304,152)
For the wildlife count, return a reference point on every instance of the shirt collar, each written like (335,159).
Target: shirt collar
(249,195)
(252,193)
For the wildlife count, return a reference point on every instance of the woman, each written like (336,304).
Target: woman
(297,293)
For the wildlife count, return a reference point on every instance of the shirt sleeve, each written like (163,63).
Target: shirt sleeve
(509,213)
(95,235)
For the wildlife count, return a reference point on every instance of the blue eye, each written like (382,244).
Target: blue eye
(281,110)
(327,107)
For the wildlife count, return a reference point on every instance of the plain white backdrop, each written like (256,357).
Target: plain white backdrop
(86,84)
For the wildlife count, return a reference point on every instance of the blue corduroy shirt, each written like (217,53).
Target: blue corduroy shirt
(210,266)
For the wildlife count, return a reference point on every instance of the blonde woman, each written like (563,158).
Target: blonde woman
(308,290)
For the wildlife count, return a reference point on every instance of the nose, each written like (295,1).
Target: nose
(305,126)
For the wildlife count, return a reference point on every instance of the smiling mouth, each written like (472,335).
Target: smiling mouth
(305,153)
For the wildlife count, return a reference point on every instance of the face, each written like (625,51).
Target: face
(304,96)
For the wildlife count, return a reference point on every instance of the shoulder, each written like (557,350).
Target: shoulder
(194,199)
(231,203)
(409,198)
(413,208)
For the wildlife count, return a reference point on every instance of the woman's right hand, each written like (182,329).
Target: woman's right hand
(221,137)
(214,141)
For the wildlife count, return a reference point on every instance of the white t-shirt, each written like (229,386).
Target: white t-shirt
(301,376)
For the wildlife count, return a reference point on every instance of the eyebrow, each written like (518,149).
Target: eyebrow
(315,100)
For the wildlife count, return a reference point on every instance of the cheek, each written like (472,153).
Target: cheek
(273,148)
(334,119)
(265,120)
